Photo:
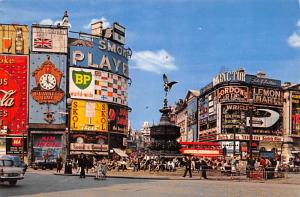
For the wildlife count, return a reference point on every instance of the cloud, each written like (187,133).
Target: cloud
(105,23)
(49,21)
(153,61)
(294,40)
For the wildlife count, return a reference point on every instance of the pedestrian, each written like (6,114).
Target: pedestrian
(188,166)
(59,161)
(203,168)
(82,163)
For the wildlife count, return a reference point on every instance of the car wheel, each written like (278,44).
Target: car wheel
(12,183)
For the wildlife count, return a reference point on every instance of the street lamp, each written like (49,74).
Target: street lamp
(234,135)
(251,128)
(108,136)
(69,104)
(23,140)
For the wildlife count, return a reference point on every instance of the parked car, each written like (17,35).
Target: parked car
(17,161)
(9,172)
(42,164)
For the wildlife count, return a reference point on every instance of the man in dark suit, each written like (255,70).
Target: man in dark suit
(188,166)
(204,168)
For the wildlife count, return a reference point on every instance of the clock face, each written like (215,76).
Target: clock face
(47,81)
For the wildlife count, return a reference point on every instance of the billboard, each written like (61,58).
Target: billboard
(230,76)
(100,54)
(295,114)
(13,92)
(98,85)
(16,145)
(49,39)
(265,120)
(118,119)
(14,39)
(81,83)
(268,96)
(261,81)
(47,88)
(88,116)
(233,94)
(46,144)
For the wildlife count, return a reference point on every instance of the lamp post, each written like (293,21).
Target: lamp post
(69,104)
(108,137)
(23,140)
(251,128)
(234,138)
(234,135)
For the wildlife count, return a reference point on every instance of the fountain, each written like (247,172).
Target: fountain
(164,135)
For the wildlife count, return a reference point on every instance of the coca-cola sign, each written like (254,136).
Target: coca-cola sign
(13,93)
(9,97)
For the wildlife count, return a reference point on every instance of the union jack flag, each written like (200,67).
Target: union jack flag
(42,43)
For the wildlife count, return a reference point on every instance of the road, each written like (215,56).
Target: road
(40,183)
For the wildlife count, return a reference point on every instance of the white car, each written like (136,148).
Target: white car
(10,173)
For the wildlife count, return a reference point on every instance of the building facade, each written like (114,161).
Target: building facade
(236,104)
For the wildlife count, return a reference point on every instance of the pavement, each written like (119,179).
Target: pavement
(177,175)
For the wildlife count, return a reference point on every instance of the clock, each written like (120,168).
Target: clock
(47,81)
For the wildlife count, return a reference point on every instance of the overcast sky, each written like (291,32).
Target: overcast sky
(189,40)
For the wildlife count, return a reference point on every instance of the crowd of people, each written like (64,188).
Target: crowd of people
(226,166)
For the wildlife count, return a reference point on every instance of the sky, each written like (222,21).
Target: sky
(189,40)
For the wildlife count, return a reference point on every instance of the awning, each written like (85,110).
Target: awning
(120,152)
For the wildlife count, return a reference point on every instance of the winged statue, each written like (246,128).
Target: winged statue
(167,85)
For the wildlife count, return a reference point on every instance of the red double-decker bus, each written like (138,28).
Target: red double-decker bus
(201,149)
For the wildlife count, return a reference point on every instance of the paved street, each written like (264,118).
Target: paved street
(43,183)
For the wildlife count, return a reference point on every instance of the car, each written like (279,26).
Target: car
(42,164)
(9,172)
(17,161)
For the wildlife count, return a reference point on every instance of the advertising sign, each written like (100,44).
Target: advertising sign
(252,79)
(82,83)
(232,76)
(203,110)
(47,146)
(89,116)
(265,120)
(13,91)
(246,137)
(296,113)
(46,39)
(192,112)
(89,147)
(230,146)
(47,88)
(268,96)
(118,117)
(100,54)
(232,94)
(14,39)
(14,145)
(98,85)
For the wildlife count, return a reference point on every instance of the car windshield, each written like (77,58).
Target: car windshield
(6,163)
(16,159)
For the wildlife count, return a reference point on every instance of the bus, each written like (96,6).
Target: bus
(201,149)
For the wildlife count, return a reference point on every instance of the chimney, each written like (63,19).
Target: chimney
(261,74)
(97,28)
(286,84)
(241,69)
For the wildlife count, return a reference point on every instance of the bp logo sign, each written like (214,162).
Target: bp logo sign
(82,79)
